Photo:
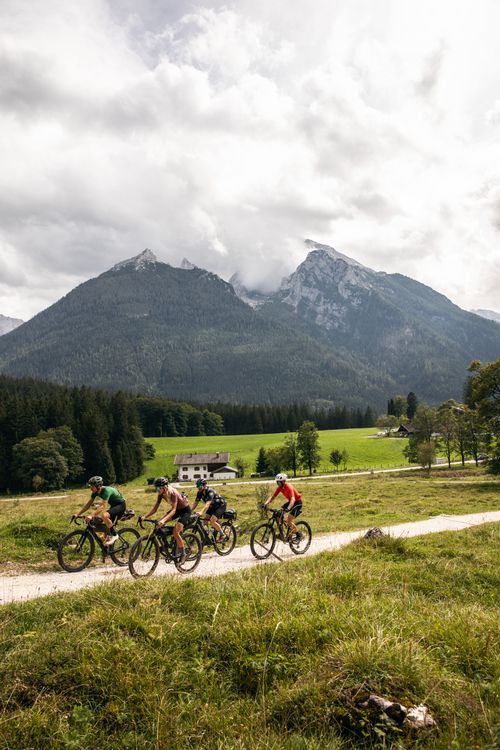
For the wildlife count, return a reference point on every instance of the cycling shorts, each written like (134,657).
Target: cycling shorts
(116,511)
(296,509)
(216,509)
(182,515)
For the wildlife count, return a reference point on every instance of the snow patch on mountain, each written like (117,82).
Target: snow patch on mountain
(138,262)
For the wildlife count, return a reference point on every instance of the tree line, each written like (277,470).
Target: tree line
(51,435)
(469,429)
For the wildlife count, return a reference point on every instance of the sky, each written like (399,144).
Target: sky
(229,133)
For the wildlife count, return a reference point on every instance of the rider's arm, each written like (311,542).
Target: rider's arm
(271,497)
(169,515)
(97,510)
(85,507)
(205,508)
(153,509)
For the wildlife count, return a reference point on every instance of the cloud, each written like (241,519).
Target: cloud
(229,133)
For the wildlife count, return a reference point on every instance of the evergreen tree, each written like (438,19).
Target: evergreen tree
(261,464)
(411,405)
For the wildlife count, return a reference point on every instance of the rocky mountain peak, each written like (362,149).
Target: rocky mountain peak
(330,253)
(138,262)
(186,265)
(8,324)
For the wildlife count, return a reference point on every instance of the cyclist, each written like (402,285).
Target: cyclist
(180,512)
(293,502)
(214,505)
(116,509)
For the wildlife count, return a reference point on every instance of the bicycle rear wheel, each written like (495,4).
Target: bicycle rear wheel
(193,548)
(225,546)
(301,541)
(262,541)
(120,550)
(144,556)
(75,551)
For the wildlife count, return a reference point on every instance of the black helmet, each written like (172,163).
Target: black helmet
(96,481)
(201,483)
(161,482)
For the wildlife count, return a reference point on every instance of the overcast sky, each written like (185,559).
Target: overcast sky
(229,133)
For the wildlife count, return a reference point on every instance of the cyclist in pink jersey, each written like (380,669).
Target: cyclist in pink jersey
(180,511)
(293,502)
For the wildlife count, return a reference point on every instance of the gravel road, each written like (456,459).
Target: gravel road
(24,587)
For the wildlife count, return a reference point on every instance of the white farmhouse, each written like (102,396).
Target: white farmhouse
(192,466)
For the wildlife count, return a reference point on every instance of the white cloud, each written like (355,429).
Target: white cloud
(228,134)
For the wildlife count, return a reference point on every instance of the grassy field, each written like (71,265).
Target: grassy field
(274,658)
(30,528)
(365,450)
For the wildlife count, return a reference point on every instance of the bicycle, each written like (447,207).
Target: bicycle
(222,545)
(76,550)
(146,551)
(264,535)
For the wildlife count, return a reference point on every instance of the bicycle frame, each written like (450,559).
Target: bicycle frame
(166,541)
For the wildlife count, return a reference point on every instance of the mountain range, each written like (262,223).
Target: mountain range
(334,330)
(488,314)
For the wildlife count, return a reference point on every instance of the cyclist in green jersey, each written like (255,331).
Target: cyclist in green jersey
(115,511)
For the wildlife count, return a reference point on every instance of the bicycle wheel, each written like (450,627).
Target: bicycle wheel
(225,546)
(120,550)
(75,551)
(193,548)
(262,541)
(144,556)
(301,541)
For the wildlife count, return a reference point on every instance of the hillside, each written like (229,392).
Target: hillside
(335,330)
(8,324)
(181,333)
(396,326)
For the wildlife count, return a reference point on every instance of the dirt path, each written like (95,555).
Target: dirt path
(22,588)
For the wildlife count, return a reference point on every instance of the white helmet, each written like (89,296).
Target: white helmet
(281,477)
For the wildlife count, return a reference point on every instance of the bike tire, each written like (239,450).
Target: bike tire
(75,551)
(144,556)
(226,546)
(298,547)
(194,548)
(120,550)
(262,541)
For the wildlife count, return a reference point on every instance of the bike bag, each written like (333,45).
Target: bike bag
(128,514)
(230,514)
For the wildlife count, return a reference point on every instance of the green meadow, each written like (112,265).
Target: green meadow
(366,451)
(279,657)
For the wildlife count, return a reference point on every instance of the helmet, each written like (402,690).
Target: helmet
(201,483)
(96,481)
(281,477)
(161,482)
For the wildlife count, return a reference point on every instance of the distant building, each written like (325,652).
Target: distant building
(405,430)
(192,466)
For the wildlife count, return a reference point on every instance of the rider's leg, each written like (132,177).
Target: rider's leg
(215,524)
(107,521)
(178,529)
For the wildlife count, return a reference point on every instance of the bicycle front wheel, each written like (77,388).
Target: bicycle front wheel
(120,549)
(75,551)
(226,545)
(301,541)
(262,541)
(193,548)
(144,556)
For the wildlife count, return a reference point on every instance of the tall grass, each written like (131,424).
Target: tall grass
(277,657)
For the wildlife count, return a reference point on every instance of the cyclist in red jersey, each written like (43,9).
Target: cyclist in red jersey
(180,511)
(293,502)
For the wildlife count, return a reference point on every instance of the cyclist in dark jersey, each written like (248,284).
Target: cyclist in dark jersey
(180,511)
(213,504)
(116,509)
